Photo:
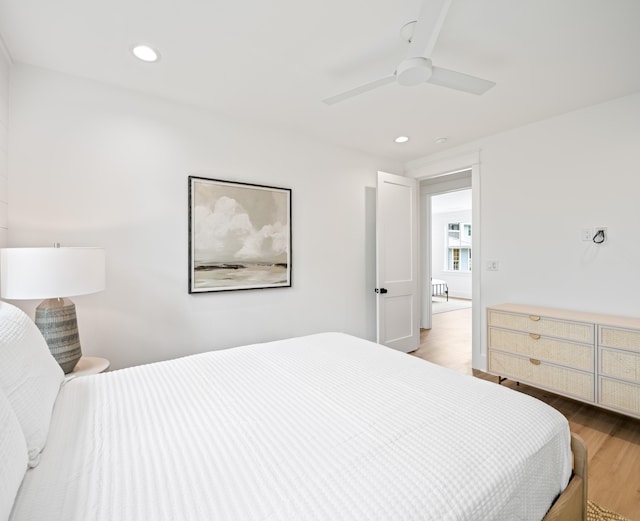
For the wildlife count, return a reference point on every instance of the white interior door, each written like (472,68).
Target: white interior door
(397,262)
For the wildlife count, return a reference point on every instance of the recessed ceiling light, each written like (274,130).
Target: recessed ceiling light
(441,140)
(145,53)
(401,139)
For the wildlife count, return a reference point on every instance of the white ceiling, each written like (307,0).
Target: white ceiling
(274,61)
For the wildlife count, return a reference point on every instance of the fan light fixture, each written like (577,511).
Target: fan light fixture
(401,139)
(417,68)
(145,53)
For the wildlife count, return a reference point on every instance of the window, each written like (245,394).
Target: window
(454,264)
(458,246)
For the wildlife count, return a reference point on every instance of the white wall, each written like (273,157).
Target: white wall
(94,165)
(459,283)
(4,126)
(540,185)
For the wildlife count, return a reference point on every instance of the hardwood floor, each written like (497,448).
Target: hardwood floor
(613,440)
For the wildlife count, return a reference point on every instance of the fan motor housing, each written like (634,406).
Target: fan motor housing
(414,71)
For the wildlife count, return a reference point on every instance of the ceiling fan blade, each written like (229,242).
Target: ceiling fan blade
(459,81)
(359,90)
(427,29)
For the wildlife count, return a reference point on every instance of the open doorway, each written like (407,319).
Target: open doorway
(449,173)
(449,342)
(441,200)
(447,233)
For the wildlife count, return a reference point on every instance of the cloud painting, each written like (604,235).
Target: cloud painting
(239,236)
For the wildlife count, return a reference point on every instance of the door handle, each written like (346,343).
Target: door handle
(380,291)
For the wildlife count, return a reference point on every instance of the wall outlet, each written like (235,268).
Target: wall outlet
(493,265)
(587,234)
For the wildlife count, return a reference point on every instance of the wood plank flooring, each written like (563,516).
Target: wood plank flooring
(613,440)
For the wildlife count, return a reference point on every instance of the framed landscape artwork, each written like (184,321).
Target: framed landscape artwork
(239,236)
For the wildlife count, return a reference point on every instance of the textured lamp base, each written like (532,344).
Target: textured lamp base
(56,319)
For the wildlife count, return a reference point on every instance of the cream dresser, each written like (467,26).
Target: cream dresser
(590,357)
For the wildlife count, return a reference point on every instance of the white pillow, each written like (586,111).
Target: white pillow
(29,376)
(13,457)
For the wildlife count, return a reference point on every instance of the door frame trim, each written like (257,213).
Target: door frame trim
(428,168)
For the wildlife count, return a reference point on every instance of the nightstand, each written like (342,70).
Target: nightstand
(88,365)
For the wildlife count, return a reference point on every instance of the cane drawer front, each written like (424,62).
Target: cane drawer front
(556,378)
(620,338)
(623,365)
(565,329)
(533,345)
(622,396)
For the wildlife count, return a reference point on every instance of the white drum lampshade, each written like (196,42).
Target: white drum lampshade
(53,274)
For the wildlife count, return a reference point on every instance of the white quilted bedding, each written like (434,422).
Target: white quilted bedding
(325,427)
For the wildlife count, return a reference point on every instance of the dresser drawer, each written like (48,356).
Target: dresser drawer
(555,378)
(578,331)
(619,395)
(620,364)
(620,338)
(533,345)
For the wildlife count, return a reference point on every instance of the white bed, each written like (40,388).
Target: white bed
(324,427)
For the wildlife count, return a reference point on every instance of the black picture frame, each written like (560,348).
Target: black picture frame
(239,236)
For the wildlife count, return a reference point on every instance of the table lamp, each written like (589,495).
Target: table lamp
(53,274)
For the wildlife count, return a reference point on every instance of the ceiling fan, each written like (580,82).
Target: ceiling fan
(417,68)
